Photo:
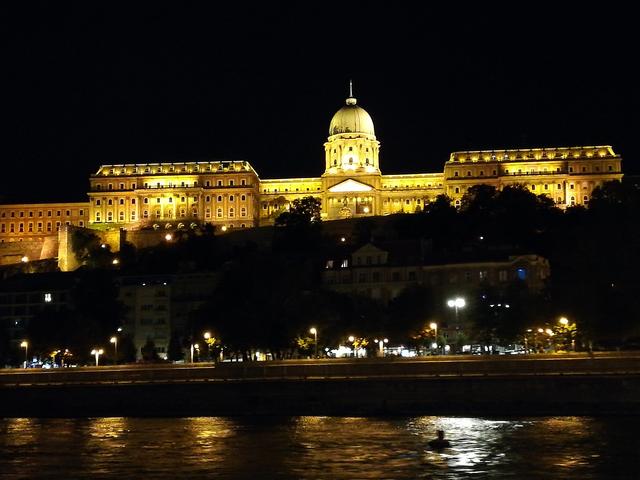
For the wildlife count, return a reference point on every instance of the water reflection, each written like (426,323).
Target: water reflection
(318,448)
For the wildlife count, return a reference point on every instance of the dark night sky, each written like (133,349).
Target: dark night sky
(87,84)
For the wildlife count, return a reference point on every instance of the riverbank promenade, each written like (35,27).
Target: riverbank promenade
(536,384)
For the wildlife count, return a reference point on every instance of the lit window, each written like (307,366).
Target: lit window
(521,273)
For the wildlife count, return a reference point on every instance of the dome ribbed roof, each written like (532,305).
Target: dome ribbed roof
(351,119)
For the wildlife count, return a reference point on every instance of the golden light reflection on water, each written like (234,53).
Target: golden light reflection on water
(19,431)
(317,447)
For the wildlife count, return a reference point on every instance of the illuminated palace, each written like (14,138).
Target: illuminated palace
(231,194)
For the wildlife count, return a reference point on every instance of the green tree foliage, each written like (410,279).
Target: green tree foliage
(303,213)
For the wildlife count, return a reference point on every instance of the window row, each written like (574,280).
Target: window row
(231,212)
(39,213)
(33,227)
(147,200)
(174,169)
(134,185)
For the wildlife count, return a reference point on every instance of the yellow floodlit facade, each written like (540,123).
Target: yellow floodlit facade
(230,194)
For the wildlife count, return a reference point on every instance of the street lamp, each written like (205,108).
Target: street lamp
(456,303)
(97,352)
(381,344)
(434,326)
(353,344)
(207,340)
(114,340)
(314,331)
(194,346)
(25,345)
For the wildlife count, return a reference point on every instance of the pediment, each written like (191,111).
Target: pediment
(350,185)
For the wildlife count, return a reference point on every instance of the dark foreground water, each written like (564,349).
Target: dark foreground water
(319,448)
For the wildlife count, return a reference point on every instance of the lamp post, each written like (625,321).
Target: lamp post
(114,340)
(97,352)
(381,344)
(314,331)
(207,338)
(353,344)
(25,345)
(194,346)
(456,303)
(434,326)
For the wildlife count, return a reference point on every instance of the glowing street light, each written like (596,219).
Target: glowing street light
(564,321)
(194,346)
(114,340)
(97,352)
(456,303)
(25,345)
(381,343)
(208,341)
(168,237)
(434,326)
(24,259)
(314,332)
(353,344)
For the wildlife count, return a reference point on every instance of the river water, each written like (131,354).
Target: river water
(319,448)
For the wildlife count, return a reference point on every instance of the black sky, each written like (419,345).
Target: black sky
(87,84)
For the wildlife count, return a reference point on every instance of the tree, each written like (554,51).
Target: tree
(410,314)
(175,352)
(300,228)
(126,349)
(149,353)
(303,213)
(89,250)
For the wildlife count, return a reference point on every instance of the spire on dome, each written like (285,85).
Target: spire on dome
(351,100)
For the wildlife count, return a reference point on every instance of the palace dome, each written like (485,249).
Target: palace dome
(351,119)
